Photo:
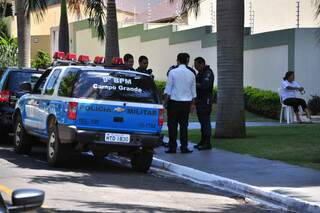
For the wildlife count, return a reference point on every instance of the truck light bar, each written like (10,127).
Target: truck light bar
(98,60)
(71,57)
(58,55)
(117,61)
(83,58)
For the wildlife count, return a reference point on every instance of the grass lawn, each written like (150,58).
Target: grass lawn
(249,117)
(294,144)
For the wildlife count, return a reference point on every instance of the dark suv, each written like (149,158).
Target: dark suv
(10,91)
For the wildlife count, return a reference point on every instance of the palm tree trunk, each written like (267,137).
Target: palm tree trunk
(24,37)
(230,107)
(112,42)
(64,28)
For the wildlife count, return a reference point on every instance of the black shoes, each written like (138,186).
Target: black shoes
(204,147)
(186,151)
(171,151)
(197,145)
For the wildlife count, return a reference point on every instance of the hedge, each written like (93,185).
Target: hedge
(261,102)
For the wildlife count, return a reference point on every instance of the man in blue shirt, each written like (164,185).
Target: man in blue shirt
(180,94)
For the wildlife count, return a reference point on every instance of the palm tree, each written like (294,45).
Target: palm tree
(24,9)
(104,19)
(112,41)
(64,28)
(230,29)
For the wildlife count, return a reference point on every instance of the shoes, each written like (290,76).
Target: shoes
(204,147)
(171,151)
(197,145)
(186,151)
(165,144)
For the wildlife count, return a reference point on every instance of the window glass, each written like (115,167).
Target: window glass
(52,82)
(118,86)
(67,83)
(17,78)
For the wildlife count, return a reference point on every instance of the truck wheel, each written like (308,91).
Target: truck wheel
(141,161)
(21,140)
(57,153)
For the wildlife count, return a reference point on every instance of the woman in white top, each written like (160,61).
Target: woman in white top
(289,95)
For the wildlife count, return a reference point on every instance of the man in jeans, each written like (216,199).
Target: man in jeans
(180,94)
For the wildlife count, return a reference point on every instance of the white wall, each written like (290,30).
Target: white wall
(264,68)
(307,60)
(269,15)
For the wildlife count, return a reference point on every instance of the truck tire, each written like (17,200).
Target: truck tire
(21,140)
(57,153)
(142,160)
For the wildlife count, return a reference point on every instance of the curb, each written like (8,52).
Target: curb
(255,193)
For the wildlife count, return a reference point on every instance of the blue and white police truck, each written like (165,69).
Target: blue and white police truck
(91,108)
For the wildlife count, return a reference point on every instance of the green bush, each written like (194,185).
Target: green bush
(314,104)
(262,102)
(8,51)
(42,61)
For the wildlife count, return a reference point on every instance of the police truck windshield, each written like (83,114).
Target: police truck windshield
(117,86)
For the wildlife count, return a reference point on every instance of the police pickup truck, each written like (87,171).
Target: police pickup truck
(85,108)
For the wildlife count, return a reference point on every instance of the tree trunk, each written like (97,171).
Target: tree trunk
(24,37)
(64,28)
(230,107)
(112,42)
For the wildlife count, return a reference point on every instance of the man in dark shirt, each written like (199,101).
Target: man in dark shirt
(128,61)
(143,65)
(204,101)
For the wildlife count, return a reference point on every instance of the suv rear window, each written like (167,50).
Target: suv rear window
(17,78)
(117,86)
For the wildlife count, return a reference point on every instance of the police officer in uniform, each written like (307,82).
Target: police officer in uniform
(204,100)
(143,66)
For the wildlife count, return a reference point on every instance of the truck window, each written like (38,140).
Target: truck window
(52,82)
(117,86)
(17,78)
(67,82)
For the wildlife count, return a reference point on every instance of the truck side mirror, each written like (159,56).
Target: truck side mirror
(26,199)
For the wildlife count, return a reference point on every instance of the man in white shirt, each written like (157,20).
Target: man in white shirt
(289,89)
(180,94)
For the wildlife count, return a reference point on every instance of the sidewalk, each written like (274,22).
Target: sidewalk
(270,175)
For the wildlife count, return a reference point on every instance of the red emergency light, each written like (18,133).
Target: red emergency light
(98,60)
(83,58)
(71,57)
(58,55)
(117,61)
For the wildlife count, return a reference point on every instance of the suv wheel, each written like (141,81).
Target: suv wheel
(22,142)
(142,160)
(57,153)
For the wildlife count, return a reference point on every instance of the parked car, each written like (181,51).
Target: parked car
(83,108)
(23,200)
(10,91)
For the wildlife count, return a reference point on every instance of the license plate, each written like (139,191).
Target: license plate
(117,138)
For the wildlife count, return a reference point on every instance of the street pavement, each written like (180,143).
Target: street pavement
(276,176)
(87,185)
